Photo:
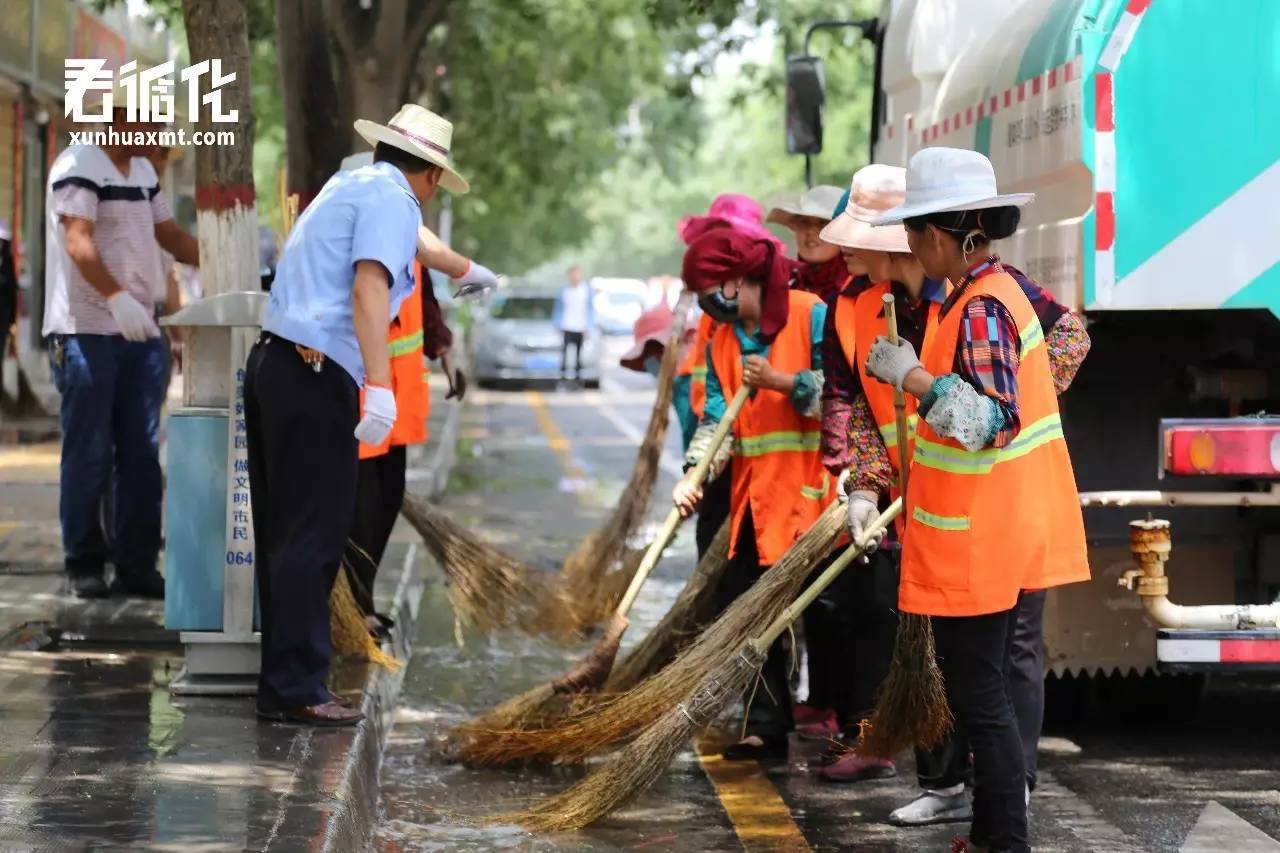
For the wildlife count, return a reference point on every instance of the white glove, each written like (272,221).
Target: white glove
(890,363)
(860,513)
(135,323)
(379,415)
(476,280)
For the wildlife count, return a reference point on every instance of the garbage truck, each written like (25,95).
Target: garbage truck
(1149,131)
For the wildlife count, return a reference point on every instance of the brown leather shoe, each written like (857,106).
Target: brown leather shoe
(327,715)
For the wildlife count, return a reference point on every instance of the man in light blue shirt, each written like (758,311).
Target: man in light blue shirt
(318,380)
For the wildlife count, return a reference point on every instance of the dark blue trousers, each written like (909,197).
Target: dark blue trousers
(112,392)
(302,483)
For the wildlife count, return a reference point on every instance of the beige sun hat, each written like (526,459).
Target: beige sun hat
(816,203)
(874,189)
(423,134)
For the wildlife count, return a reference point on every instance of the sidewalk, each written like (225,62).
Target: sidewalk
(96,753)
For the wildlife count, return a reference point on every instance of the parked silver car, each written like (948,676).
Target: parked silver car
(517,342)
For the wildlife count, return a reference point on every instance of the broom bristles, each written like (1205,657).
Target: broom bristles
(911,706)
(540,708)
(641,762)
(584,734)
(348,630)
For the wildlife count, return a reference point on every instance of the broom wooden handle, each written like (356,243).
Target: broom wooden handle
(793,611)
(669,527)
(899,399)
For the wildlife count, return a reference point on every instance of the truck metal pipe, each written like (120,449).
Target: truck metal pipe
(1150,542)
(1153,497)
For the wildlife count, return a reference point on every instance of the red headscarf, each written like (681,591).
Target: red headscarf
(722,255)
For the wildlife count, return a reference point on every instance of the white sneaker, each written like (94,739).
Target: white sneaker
(932,807)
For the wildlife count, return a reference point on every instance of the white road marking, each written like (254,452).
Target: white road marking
(1056,801)
(667,462)
(1219,829)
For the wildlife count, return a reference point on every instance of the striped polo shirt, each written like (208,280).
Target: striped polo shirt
(84,183)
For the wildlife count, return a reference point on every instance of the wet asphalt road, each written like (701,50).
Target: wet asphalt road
(1145,783)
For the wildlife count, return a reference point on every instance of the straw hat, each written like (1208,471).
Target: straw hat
(874,189)
(946,179)
(423,134)
(816,203)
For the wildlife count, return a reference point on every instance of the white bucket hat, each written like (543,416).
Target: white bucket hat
(816,203)
(423,134)
(946,179)
(874,189)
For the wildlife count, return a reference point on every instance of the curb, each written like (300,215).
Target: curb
(355,809)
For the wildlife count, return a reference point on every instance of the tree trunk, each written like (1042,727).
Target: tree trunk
(317,122)
(226,216)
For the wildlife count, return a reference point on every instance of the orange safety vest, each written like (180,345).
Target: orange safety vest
(777,466)
(408,375)
(695,365)
(983,525)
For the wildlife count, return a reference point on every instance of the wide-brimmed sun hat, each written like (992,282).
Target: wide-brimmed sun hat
(423,134)
(815,203)
(873,190)
(653,326)
(946,179)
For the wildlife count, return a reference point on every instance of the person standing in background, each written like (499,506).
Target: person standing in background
(8,298)
(575,317)
(106,223)
(822,271)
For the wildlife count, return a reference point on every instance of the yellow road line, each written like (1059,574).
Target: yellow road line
(559,444)
(759,816)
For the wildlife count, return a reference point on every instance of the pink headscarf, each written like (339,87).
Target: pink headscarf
(738,212)
(723,254)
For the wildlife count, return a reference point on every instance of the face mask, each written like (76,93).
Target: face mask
(652,365)
(719,307)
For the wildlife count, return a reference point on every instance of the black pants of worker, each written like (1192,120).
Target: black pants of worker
(379,494)
(768,701)
(713,511)
(572,339)
(849,634)
(302,480)
(973,652)
(947,764)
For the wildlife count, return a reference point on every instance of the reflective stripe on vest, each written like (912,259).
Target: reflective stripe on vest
(405,344)
(941,522)
(889,432)
(960,461)
(779,442)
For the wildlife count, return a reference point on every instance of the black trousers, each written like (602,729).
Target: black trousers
(302,480)
(572,339)
(768,703)
(973,652)
(947,764)
(849,633)
(379,494)
(714,509)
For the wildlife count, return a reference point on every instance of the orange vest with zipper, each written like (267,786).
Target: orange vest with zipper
(695,365)
(777,466)
(408,375)
(981,526)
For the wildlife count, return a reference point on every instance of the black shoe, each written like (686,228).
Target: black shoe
(771,746)
(149,585)
(88,586)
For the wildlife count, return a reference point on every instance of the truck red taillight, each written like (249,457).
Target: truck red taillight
(1235,447)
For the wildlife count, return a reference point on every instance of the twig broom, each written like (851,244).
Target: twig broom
(581,735)
(911,705)
(642,761)
(539,706)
